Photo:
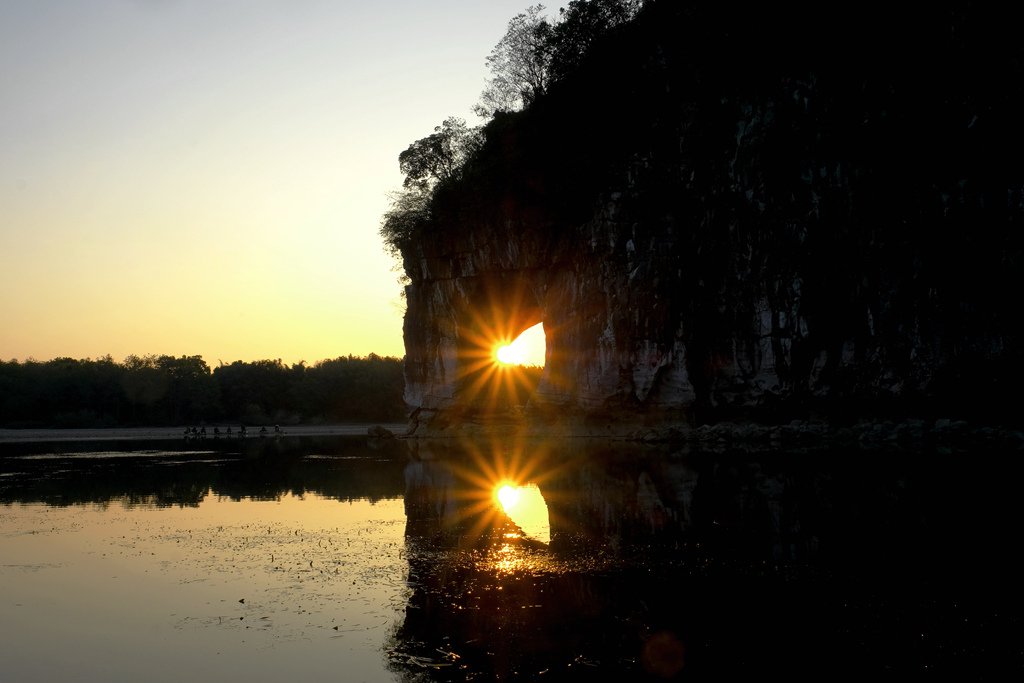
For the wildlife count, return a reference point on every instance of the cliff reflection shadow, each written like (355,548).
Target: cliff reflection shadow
(663,564)
(486,597)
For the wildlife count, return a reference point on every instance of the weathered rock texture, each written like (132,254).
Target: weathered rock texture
(728,214)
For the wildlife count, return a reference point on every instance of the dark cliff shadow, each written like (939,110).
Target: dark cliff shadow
(669,564)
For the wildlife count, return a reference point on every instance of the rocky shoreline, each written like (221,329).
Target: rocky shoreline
(942,435)
(939,435)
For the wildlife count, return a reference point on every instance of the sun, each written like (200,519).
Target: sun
(490,384)
(509,355)
(527,349)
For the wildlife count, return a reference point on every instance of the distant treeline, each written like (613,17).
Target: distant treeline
(165,390)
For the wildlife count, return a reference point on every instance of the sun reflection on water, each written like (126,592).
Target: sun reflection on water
(526,507)
(508,496)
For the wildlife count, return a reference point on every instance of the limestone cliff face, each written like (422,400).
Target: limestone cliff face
(722,217)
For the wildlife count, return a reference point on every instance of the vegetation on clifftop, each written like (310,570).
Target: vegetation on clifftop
(535,55)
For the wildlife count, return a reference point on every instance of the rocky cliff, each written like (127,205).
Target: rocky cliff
(729,215)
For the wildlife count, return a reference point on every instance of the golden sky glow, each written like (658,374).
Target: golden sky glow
(207,178)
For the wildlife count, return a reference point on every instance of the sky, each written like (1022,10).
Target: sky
(207,177)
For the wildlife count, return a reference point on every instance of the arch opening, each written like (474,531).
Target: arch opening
(502,316)
(528,349)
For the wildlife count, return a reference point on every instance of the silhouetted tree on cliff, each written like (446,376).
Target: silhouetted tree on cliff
(519,65)
(581,24)
(439,157)
(436,159)
(534,52)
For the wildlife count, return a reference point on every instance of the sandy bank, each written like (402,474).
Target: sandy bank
(117,434)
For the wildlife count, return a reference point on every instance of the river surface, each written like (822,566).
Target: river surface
(338,558)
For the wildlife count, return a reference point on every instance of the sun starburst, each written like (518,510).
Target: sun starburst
(487,380)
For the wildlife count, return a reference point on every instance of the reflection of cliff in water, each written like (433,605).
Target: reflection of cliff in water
(671,563)
(616,496)
(164,473)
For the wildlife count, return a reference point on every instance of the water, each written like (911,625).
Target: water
(332,557)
